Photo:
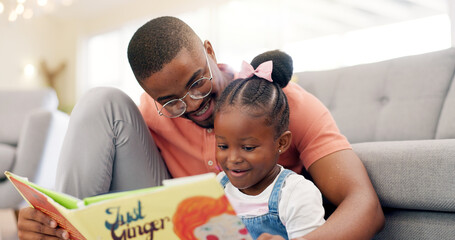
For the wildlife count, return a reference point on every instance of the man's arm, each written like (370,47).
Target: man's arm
(343,180)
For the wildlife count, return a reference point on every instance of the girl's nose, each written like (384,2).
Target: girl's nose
(234,157)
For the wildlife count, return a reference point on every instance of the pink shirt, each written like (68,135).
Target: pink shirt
(189,149)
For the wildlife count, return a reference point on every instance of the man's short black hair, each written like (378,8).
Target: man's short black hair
(156,43)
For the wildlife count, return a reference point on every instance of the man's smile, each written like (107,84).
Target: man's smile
(204,112)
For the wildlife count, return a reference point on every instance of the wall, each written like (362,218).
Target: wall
(21,43)
(30,42)
(141,9)
(451,12)
(59,37)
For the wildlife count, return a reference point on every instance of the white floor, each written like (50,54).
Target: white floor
(8,225)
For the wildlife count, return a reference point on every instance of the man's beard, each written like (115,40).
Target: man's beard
(209,122)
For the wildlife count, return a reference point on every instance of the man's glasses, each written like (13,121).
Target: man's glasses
(198,90)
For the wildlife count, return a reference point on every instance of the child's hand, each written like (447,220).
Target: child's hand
(33,224)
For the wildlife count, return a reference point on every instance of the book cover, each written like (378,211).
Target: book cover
(183,208)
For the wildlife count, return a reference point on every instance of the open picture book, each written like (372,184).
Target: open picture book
(183,208)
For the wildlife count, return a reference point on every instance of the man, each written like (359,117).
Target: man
(108,146)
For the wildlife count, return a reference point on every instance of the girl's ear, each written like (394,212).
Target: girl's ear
(284,141)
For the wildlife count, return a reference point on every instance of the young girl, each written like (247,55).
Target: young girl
(251,130)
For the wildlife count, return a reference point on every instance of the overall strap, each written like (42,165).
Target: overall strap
(276,191)
(224,181)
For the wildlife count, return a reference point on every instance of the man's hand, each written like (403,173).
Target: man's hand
(33,224)
(266,236)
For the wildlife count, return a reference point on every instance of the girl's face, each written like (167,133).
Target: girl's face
(246,150)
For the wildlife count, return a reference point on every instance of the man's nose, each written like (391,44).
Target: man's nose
(192,104)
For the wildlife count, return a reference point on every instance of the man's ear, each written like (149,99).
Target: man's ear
(284,141)
(209,49)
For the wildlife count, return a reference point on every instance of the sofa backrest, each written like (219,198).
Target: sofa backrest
(446,126)
(15,105)
(398,99)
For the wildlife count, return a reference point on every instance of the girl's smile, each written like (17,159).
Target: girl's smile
(247,150)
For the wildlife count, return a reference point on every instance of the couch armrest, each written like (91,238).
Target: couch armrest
(47,169)
(37,152)
(412,174)
(32,140)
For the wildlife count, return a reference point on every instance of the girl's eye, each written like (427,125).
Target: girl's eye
(248,148)
(222,147)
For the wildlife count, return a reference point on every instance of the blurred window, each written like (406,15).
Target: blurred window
(318,34)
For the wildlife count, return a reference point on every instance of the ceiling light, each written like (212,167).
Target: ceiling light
(12,16)
(42,2)
(27,9)
(20,9)
(29,70)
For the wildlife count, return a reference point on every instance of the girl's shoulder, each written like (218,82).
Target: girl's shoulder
(298,183)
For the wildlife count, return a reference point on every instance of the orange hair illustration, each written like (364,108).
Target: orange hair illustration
(196,211)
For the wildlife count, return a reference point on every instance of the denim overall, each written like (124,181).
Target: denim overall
(269,222)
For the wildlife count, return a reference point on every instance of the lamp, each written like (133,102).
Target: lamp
(26,9)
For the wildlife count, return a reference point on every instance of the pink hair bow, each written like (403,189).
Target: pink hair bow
(264,70)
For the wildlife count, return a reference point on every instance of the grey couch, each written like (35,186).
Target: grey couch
(31,134)
(399,116)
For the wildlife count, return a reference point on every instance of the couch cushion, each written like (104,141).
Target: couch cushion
(412,225)
(417,175)
(7,155)
(15,105)
(399,99)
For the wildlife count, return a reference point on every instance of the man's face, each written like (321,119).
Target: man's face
(174,79)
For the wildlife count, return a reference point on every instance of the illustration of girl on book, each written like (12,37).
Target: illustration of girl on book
(207,218)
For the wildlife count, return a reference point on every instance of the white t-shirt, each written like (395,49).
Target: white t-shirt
(300,207)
